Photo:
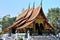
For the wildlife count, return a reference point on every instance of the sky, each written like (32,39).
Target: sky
(14,7)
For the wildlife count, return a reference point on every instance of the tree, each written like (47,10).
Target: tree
(7,21)
(54,17)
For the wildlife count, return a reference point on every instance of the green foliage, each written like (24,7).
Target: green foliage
(55,32)
(7,20)
(54,17)
(20,38)
(1,33)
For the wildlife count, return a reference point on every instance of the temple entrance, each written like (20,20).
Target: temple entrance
(39,28)
(13,30)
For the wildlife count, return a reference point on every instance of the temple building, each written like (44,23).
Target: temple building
(32,19)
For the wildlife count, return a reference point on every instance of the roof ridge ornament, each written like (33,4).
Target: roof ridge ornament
(29,6)
(23,9)
(33,5)
(41,2)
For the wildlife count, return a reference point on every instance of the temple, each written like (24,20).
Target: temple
(32,19)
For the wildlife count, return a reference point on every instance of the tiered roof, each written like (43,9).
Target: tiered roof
(27,17)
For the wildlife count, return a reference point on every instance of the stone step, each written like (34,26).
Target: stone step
(42,38)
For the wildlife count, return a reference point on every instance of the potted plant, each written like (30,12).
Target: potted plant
(20,38)
(0,34)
